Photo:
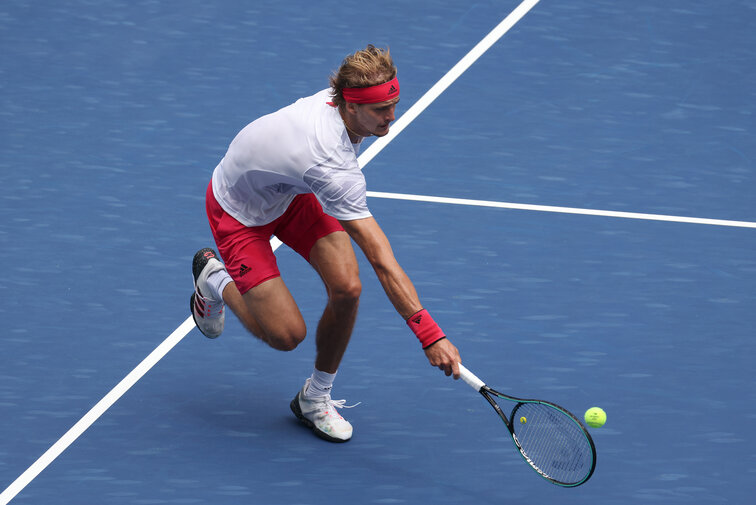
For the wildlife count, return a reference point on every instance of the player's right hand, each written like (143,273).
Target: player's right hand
(444,355)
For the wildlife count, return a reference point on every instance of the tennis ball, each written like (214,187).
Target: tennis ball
(523,419)
(595,417)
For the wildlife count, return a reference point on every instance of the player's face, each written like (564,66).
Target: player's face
(375,118)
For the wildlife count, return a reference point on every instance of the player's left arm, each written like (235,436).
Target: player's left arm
(401,292)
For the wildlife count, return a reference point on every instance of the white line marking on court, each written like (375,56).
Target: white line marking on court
(451,76)
(95,412)
(174,338)
(563,210)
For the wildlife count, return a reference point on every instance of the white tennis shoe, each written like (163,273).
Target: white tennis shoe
(208,312)
(321,415)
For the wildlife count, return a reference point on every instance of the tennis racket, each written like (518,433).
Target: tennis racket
(551,440)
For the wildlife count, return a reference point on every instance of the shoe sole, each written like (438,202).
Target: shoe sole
(200,259)
(298,412)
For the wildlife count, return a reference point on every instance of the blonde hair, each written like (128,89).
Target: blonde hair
(368,67)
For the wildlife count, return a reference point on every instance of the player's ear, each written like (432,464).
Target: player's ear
(351,108)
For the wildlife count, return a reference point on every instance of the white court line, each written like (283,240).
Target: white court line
(451,76)
(90,417)
(95,412)
(563,210)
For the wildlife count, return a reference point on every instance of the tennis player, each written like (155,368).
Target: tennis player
(294,174)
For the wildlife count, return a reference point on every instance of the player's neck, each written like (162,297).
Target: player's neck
(355,137)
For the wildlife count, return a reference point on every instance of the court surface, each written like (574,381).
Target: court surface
(113,115)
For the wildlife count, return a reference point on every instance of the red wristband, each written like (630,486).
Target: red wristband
(425,328)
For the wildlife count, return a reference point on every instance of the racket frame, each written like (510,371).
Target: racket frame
(489,393)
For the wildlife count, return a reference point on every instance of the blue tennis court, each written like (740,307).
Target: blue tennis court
(114,114)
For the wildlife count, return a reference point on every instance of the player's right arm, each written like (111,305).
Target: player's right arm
(398,287)
(375,245)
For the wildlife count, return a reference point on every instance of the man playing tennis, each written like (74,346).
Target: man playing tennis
(294,174)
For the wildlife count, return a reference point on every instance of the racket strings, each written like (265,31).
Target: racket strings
(552,442)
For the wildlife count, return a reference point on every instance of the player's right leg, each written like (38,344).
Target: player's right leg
(266,309)
(269,312)
(251,283)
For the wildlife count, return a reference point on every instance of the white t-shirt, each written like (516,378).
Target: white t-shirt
(302,148)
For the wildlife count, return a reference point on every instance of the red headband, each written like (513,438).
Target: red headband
(372,94)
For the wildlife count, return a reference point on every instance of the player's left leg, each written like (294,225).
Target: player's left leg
(321,240)
(333,258)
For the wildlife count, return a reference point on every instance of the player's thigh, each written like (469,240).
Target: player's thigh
(275,312)
(333,258)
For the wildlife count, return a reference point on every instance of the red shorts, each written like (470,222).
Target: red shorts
(246,250)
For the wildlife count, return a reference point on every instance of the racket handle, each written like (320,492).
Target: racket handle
(469,377)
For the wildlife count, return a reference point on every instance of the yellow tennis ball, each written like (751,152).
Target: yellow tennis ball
(595,417)
(523,419)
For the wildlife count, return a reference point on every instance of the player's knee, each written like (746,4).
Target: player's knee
(287,342)
(286,338)
(290,343)
(347,293)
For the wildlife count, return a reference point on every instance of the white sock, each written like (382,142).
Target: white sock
(217,281)
(320,384)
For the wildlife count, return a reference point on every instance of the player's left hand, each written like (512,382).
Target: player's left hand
(444,355)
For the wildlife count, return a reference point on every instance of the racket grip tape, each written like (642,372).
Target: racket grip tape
(470,378)
(425,328)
